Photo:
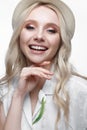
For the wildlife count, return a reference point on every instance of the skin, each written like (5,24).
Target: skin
(39,42)
(41,28)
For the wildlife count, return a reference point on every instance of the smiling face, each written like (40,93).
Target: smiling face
(39,37)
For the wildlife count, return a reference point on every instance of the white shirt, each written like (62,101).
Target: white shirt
(77,88)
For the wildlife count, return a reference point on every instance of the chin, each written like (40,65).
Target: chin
(36,62)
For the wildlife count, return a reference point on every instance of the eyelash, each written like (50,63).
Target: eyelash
(29,27)
(51,31)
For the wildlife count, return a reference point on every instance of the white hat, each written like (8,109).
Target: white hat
(61,6)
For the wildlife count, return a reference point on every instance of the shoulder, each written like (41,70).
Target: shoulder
(3,91)
(77,85)
(7,89)
(6,93)
(77,88)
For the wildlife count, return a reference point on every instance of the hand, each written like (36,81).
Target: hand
(30,76)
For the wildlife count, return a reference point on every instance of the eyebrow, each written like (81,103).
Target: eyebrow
(29,21)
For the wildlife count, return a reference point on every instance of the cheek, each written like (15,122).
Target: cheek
(55,42)
(23,41)
(23,37)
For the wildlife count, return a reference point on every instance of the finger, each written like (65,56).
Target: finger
(37,71)
(43,75)
(45,71)
(41,64)
(45,63)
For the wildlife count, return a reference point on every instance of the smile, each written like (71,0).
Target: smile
(38,48)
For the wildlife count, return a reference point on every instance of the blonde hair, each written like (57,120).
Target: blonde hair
(15,60)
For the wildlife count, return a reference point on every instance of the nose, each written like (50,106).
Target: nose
(39,36)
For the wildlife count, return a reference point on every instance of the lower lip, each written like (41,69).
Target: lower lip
(37,52)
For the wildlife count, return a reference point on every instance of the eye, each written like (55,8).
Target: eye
(51,30)
(30,27)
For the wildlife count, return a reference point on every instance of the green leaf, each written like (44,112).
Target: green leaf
(41,111)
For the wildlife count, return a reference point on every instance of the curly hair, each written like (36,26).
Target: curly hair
(15,59)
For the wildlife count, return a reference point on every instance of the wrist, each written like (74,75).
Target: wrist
(18,96)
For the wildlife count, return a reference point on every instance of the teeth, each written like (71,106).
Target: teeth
(39,48)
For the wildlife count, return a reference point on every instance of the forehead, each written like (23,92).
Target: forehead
(43,13)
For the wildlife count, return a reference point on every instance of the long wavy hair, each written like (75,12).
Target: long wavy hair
(15,59)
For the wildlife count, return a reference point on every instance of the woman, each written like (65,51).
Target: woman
(40,90)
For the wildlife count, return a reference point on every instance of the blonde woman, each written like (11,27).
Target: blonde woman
(40,90)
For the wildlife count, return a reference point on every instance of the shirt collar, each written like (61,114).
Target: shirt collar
(48,89)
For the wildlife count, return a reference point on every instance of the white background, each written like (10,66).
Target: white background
(79,41)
